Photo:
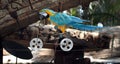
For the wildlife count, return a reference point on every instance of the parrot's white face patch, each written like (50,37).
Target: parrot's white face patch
(43,13)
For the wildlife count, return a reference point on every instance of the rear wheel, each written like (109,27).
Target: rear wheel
(36,44)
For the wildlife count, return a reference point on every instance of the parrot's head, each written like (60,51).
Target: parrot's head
(45,13)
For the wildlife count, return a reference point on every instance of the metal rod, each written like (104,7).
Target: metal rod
(112,45)
(16,60)
(1,52)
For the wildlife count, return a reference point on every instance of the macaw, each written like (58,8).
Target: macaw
(62,20)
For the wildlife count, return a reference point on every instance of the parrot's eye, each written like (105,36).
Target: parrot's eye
(43,15)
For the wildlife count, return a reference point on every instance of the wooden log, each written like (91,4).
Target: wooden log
(39,4)
(10,26)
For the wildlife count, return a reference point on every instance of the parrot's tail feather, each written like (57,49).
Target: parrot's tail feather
(84,27)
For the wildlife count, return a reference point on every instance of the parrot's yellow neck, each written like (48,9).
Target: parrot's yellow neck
(49,13)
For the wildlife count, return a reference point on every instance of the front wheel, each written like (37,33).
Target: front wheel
(66,44)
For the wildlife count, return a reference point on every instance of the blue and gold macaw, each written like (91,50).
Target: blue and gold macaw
(62,20)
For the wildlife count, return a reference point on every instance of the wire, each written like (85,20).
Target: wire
(30,4)
(59,6)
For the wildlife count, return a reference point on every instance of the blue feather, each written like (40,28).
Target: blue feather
(77,19)
(64,19)
(83,27)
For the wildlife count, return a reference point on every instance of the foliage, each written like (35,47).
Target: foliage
(105,11)
(73,11)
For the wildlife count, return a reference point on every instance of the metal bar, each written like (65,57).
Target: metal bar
(16,60)
(1,52)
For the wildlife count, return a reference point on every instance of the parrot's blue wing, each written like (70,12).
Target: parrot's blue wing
(77,19)
(84,27)
(60,19)
(64,19)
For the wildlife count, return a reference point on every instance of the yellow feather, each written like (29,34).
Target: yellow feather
(49,13)
(62,28)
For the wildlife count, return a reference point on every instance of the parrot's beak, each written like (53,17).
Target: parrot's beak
(43,15)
